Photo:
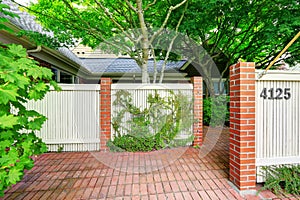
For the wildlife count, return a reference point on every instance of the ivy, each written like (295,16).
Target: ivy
(154,127)
(282,179)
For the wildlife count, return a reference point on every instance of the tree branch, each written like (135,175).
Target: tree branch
(171,8)
(150,4)
(131,6)
(113,20)
(171,45)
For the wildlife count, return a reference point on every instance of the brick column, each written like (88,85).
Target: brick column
(198,96)
(242,126)
(105,112)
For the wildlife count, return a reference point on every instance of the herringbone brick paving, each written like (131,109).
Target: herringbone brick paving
(180,173)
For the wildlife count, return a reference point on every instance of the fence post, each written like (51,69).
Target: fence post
(105,112)
(242,127)
(198,97)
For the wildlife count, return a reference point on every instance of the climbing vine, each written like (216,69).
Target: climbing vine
(157,126)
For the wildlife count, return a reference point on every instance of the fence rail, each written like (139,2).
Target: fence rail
(277,119)
(73,118)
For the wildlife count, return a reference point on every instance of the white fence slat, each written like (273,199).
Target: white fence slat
(73,118)
(277,121)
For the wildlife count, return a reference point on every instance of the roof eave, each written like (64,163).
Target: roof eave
(28,44)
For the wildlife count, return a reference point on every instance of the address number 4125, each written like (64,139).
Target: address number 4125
(278,93)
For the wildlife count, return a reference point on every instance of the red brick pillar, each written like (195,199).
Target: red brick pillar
(105,112)
(198,97)
(242,126)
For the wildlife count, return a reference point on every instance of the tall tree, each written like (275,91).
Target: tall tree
(133,24)
(250,30)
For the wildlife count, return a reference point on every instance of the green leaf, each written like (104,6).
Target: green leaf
(9,76)
(8,93)
(3,145)
(41,86)
(9,158)
(34,94)
(8,121)
(24,63)
(22,82)
(36,123)
(35,72)
(14,175)
(55,85)
(27,163)
(17,50)
(46,73)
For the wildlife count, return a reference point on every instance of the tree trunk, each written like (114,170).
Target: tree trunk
(144,42)
(210,86)
(145,74)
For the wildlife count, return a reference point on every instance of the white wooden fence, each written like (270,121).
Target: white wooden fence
(73,118)
(277,119)
(140,93)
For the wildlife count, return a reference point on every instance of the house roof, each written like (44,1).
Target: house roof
(126,65)
(27,22)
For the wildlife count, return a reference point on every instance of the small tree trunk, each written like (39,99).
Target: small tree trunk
(145,74)
(144,42)
(210,86)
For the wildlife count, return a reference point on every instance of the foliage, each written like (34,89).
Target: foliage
(21,79)
(215,110)
(229,31)
(45,39)
(133,25)
(3,20)
(154,127)
(284,178)
(241,30)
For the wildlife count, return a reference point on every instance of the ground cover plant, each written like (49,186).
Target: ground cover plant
(284,178)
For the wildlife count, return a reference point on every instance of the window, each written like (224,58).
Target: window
(63,77)
(66,78)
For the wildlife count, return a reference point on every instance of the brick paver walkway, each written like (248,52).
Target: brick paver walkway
(181,173)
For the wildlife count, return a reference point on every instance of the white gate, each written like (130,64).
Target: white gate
(73,118)
(277,119)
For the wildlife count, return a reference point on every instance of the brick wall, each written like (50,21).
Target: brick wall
(198,97)
(242,126)
(105,112)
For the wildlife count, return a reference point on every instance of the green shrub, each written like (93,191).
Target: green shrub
(284,178)
(215,110)
(21,79)
(152,128)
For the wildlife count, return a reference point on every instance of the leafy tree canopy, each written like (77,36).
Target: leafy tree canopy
(249,30)
(241,30)
(229,30)
(133,25)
